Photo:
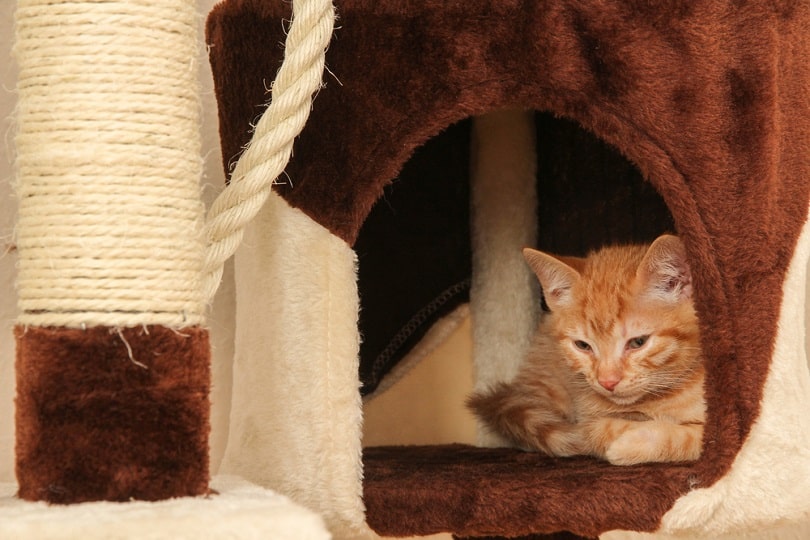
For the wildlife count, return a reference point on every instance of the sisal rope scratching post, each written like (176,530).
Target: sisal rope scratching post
(108,167)
(112,364)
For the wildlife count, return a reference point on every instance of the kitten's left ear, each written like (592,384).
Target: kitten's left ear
(555,276)
(664,271)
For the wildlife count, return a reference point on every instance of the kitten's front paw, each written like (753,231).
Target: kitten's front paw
(654,441)
(639,444)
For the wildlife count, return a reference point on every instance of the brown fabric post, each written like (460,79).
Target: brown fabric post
(109,415)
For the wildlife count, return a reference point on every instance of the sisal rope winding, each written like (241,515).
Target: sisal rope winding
(110,228)
(108,163)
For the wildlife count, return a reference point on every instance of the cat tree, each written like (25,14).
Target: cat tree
(680,117)
(592,122)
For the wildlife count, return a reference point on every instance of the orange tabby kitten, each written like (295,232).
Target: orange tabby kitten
(615,369)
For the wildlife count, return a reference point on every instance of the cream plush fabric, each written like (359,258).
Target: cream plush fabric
(759,489)
(295,422)
(239,510)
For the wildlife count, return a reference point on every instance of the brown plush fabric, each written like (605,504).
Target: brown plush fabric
(707,99)
(93,425)
(552,536)
(414,260)
(424,490)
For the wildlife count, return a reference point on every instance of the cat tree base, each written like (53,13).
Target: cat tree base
(238,510)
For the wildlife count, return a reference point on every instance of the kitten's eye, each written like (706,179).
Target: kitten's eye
(582,345)
(637,342)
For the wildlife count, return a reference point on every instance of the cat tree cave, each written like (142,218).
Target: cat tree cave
(447,136)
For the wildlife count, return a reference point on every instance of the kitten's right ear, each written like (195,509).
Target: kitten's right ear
(664,270)
(555,277)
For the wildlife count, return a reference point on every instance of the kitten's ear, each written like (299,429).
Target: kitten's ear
(577,263)
(556,277)
(664,272)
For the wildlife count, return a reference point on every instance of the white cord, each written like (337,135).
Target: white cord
(269,151)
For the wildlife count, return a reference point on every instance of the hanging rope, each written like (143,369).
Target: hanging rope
(269,151)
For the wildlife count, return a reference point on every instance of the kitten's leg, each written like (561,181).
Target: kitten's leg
(536,417)
(625,442)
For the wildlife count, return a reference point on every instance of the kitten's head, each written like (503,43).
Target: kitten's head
(623,317)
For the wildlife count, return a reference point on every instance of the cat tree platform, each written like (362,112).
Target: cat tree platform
(235,509)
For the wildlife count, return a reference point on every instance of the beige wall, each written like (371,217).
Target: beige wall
(7,300)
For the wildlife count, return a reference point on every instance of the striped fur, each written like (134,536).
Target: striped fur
(615,370)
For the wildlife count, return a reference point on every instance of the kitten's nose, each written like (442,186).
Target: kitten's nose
(609,383)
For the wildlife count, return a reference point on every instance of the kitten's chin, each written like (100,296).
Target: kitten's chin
(621,399)
(624,400)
